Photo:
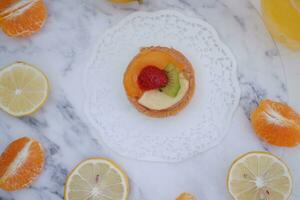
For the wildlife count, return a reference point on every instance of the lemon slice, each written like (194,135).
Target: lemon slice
(23,89)
(97,179)
(259,176)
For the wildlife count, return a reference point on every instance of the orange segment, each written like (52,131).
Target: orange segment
(20,163)
(185,196)
(276,123)
(147,57)
(21,18)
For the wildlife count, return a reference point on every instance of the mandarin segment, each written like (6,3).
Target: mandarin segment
(185,196)
(276,123)
(23,17)
(20,163)
(9,155)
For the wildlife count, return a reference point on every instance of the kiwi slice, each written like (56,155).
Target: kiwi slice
(173,86)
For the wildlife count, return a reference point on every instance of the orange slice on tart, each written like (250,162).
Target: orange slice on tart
(159,81)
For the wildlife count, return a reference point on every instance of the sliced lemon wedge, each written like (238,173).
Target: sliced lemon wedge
(259,176)
(97,179)
(23,89)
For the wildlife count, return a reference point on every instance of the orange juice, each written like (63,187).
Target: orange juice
(282,17)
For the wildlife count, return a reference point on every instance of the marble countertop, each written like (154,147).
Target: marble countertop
(61,50)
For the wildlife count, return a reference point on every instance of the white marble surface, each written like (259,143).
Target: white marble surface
(63,47)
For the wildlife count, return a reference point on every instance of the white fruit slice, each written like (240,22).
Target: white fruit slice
(156,100)
(97,179)
(259,176)
(23,89)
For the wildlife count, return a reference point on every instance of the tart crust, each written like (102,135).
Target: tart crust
(187,71)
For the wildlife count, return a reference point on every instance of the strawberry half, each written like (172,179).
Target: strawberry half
(151,78)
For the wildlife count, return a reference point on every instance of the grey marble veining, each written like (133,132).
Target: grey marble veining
(65,46)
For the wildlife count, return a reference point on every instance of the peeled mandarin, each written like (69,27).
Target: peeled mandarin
(276,123)
(20,164)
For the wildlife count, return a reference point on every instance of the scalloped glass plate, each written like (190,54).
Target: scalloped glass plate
(197,128)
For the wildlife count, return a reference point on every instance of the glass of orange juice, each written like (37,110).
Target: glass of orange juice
(282,18)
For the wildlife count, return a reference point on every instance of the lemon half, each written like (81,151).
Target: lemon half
(259,176)
(97,179)
(23,89)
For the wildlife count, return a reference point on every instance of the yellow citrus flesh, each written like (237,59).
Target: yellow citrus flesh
(23,89)
(282,19)
(257,176)
(97,179)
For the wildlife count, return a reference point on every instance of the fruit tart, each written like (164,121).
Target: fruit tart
(159,81)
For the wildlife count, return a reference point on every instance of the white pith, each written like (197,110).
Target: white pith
(18,91)
(96,191)
(260,182)
(18,161)
(274,117)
